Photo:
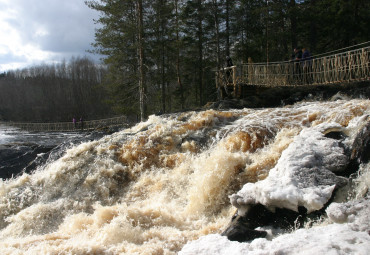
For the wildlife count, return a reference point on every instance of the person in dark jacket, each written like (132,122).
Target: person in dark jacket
(229,62)
(297,72)
(228,79)
(229,70)
(307,66)
(306,55)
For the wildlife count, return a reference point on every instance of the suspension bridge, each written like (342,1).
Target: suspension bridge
(330,68)
(120,121)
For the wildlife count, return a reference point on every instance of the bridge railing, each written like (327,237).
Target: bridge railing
(69,126)
(348,66)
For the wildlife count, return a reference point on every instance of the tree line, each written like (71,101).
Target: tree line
(162,54)
(159,56)
(54,92)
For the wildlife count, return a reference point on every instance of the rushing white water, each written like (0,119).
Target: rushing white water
(160,186)
(6,134)
(9,135)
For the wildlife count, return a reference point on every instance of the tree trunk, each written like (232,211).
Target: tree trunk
(293,23)
(142,85)
(200,52)
(227,29)
(313,27)
(163,79)
(267,32)
(178,57)
(217,27)
(164,84)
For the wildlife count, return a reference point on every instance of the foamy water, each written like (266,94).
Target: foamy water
(11,135)
(155,187)
(6,134)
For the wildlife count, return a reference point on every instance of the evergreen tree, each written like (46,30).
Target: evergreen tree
(117,38)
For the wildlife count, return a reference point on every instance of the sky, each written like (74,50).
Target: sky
(35,32)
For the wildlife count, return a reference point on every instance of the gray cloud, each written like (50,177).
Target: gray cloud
(6,58)
(61,28)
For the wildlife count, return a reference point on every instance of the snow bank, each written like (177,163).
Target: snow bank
(332,239)
(303,175)
(350,237)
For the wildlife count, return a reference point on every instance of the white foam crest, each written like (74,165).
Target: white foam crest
(212,177)
(362,182)
(4,138)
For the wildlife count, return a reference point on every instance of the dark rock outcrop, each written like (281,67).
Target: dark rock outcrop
(242,228)
(361,146)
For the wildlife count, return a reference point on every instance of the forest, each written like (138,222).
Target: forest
(159,56)
(53,93)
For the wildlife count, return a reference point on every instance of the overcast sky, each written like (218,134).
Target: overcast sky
(42,31)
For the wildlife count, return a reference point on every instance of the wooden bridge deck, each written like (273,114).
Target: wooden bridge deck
(69,126)
(346,67)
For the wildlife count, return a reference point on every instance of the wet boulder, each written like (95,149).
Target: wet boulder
(243,228)
(360,151)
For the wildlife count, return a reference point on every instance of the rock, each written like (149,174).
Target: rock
(241,233)
(242,228)
(361,145)
(359,151)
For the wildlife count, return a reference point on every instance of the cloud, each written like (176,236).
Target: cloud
(34,31)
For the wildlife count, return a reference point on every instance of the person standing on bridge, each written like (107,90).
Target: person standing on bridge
(229,64)
(306,55)
(306,58)
(297,54)
(81,124)
(227,78)
(297,72)
(74,122)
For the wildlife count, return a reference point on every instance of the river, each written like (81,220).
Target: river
(171,185)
